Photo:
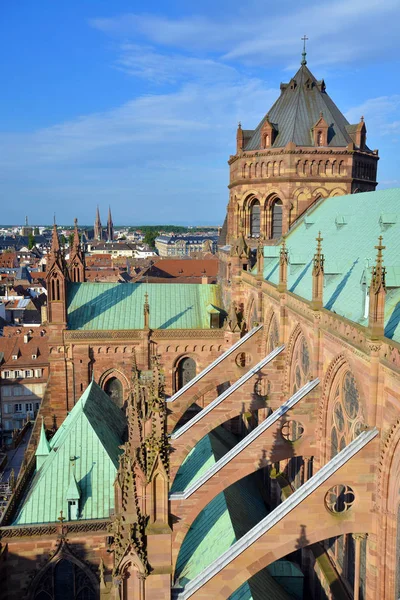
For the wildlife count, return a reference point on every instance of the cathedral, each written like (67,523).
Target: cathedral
(238,440)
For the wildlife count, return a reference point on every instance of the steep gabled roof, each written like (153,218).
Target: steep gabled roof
(298,109)
(86,448)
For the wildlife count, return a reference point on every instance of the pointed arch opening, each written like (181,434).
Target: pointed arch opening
(276,218)
(255,218)
(114,389)
(65,580)
(185,372)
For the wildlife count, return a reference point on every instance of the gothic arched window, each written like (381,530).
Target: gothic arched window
(347,414)
(300,369)
(186,371)
(273,336)
(276,219)
(65,581)
(255,219)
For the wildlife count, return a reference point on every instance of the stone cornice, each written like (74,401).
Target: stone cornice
(289,178)
(137,334)
(342,151)
(18,531)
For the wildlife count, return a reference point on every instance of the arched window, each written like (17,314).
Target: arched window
(300,368)
(255,219)
(347,413)
(273,335)
(113,388)
(319,138)
(65,581)
(266,140)
(186,371)
(276,214)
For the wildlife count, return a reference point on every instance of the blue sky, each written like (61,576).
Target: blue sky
(136,105)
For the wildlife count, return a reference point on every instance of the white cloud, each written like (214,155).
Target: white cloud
(340,31)
(145,62)
(381,115)
(170,149)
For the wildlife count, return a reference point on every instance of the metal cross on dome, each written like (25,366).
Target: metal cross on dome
(304,53)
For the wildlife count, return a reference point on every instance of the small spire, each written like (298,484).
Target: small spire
(239,125)
(55,242)
(304,53)
(76,234)
(283,264)
(378,270)
(362,119)
(318,275)
(146,311)
(319,239)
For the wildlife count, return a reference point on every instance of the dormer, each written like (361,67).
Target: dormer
(309,84)
(361,134)
(268,133)
(358,134)
(320,131)
(292,84)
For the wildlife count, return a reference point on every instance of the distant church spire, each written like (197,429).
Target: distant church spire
(304,53)
(98,232)
(110,226)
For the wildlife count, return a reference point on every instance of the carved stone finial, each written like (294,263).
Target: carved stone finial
(318,275)
(378,271)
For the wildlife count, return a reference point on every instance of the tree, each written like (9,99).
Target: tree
(150,238)
(31,241)
(36,231)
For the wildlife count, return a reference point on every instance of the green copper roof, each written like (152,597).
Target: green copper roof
(105,306)
(349,249)
(206,452)
(224,520)
(86,448)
